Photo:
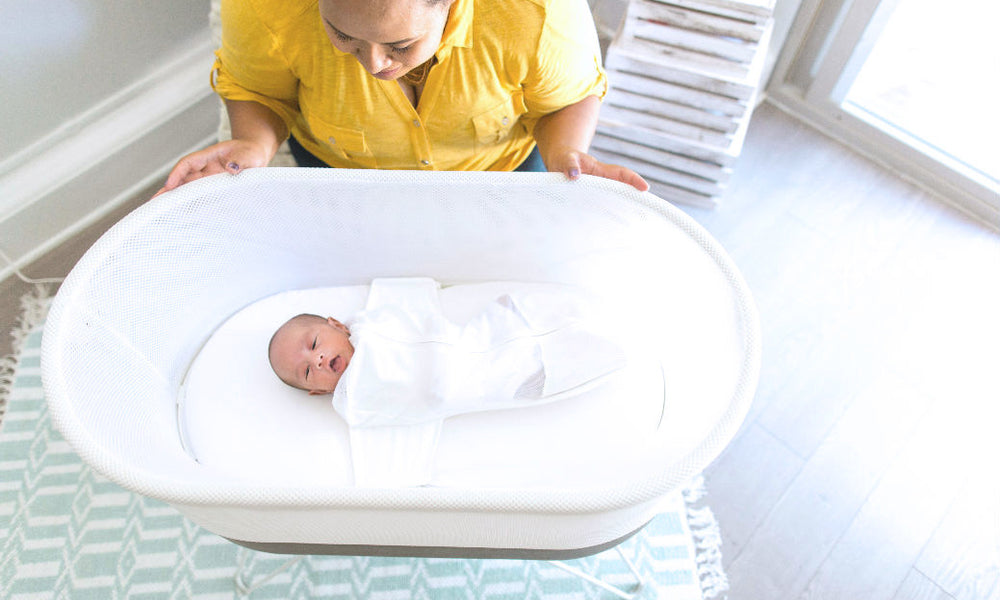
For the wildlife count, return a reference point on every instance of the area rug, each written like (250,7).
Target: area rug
(66,532)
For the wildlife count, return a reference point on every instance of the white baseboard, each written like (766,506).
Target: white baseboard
(68,180)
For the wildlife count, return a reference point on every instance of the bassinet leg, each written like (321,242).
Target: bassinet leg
(591,579)
(244,587)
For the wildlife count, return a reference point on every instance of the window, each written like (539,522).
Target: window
(914,84)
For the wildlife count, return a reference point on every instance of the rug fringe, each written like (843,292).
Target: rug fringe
(34,307)
(707,538)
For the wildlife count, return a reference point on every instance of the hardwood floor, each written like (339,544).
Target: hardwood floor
(868,467)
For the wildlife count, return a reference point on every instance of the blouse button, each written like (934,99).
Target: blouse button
(425,162)
(331,140)
(505,121)
(416,122)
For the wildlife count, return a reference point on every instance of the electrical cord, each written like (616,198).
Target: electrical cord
(20,274)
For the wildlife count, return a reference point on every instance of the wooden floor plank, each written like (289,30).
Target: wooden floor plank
(821,502)
(876,552)
(963,557)
(757,469)
(917,586)
(844,298)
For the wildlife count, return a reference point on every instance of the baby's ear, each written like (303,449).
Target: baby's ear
(337,324)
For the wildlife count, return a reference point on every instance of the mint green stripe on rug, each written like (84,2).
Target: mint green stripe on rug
(68,533)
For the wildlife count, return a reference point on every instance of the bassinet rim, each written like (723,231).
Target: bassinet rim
(175,491)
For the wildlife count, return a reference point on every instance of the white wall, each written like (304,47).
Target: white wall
(98,98)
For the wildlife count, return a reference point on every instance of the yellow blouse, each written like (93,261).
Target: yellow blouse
(502,64)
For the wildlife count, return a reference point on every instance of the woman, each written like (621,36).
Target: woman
(409,84)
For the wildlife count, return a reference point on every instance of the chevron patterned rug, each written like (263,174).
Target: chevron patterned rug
(66,532)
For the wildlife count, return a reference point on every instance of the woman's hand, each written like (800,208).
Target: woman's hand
(257,134)
(231,156)
(573,163)
(564,136)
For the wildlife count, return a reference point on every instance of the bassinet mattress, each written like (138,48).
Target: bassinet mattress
(236,416)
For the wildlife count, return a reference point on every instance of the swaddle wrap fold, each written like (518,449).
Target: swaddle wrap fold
(412,368)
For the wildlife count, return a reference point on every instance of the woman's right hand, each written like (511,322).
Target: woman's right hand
(231,156)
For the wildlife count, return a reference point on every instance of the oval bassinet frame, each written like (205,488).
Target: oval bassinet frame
(135,310)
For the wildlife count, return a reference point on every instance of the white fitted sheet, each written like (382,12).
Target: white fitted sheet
(234,415)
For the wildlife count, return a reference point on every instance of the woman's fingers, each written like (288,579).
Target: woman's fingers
(622,174)
(231,156)
(193,166)
(575,163)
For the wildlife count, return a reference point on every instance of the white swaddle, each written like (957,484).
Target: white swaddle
(412,368)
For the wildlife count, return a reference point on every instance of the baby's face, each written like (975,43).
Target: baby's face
(311,353)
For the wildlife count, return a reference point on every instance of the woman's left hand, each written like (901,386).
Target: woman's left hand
(563,135)
(572,163)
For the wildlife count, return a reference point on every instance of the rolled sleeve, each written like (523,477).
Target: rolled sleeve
(568,62)
(250,66)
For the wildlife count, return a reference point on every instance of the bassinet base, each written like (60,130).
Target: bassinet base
(433,551)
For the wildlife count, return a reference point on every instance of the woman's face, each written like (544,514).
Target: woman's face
(388,37)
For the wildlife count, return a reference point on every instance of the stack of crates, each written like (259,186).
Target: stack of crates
(684,76)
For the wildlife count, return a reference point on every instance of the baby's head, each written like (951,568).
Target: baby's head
(310,353)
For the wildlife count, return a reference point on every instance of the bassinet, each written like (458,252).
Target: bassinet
(136,310)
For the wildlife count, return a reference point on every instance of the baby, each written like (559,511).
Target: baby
(402,367)
(406,336)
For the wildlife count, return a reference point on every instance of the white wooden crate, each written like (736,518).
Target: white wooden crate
(684,76)
(752,10)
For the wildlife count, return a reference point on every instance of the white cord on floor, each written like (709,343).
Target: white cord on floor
(245,587)
(25,278)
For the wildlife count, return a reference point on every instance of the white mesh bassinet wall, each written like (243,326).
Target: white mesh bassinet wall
(135,311)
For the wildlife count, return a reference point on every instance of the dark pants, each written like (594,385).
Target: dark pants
(304,158)
(533,163)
